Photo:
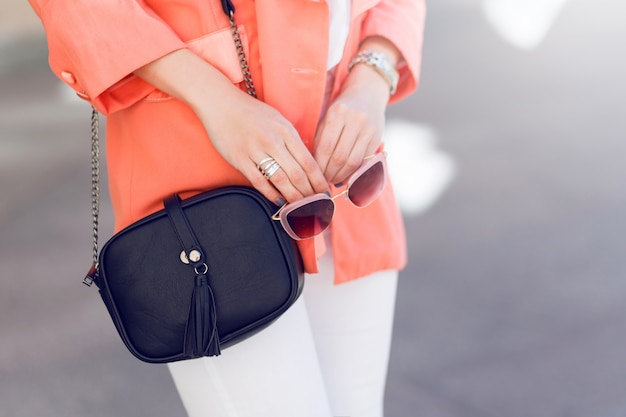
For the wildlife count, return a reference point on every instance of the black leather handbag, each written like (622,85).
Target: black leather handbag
(198,276)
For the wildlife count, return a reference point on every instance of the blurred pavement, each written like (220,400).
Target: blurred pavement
(514,301)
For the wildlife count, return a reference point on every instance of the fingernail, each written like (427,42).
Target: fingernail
(339,184)
(327,193)
(280,201)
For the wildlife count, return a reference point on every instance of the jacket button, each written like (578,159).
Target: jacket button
(68,77)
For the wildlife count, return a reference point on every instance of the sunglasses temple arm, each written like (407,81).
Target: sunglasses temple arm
(276,216)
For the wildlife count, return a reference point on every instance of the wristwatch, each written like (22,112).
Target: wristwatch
(381,64)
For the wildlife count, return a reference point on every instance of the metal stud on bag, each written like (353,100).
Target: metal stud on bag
(194,256)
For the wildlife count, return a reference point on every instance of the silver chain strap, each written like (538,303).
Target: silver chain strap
(95,179)
(95,193)
(95,150)
(241,54)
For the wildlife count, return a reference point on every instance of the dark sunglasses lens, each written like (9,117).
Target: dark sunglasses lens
(311,219)
(368,186)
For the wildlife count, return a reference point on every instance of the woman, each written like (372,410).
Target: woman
(168,78)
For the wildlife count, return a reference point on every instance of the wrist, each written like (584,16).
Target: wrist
(367,84)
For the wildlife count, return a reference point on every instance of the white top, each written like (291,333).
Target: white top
(339,11)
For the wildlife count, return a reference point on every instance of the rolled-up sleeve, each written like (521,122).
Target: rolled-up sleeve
(402,22)
(94,47)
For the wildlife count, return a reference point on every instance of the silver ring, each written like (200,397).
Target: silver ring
(271,170)
(268,167)
(264,161)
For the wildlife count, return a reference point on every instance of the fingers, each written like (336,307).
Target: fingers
(304,169)
(297,174)
(344,138)
(289,181)
(264,186)
(275,183)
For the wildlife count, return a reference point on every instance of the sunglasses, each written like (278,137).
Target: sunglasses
(310,216)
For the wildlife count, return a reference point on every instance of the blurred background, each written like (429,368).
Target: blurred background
(509,166)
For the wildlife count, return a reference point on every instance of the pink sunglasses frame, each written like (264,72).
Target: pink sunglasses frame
(369,162)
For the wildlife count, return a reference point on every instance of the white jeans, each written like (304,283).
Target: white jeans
(325,357)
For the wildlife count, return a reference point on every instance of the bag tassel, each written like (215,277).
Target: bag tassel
(201,336)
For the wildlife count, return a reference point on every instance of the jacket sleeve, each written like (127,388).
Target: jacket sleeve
(402,22)
(94,46)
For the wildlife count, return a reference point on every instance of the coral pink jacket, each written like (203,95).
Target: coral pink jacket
(156,145)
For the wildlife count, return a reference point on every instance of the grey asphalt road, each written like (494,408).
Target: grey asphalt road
(513,303)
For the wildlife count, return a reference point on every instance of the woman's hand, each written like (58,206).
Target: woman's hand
(242,129)
(353,125)
(245,131)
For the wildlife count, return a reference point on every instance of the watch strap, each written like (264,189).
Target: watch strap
(381,64)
